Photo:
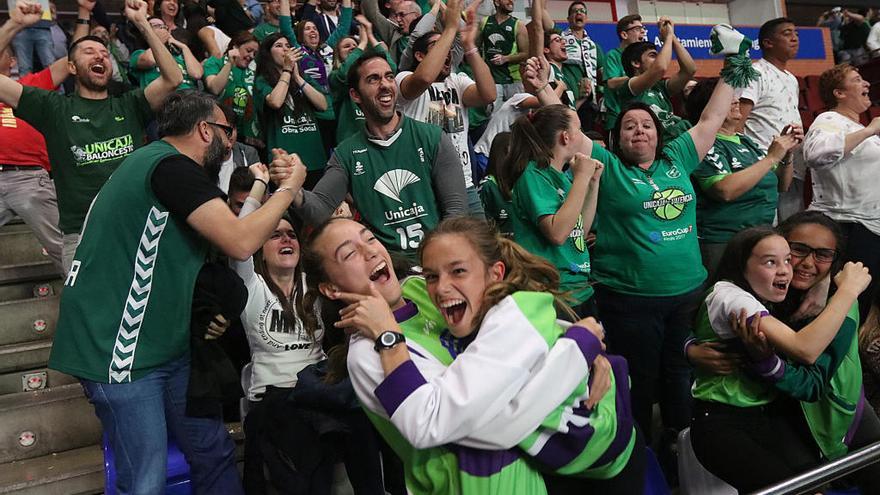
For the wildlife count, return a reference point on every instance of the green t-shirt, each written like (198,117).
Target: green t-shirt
(572,88)
(238,94)
(146,76)
(500,39)
(292,128)
(648,243)
(263,30)
(497,209)
(86,140)
(611,104)
(657,97)
(718,221)
(539,192)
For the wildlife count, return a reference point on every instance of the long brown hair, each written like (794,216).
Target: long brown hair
(533,137)
(524,271)
(292,307)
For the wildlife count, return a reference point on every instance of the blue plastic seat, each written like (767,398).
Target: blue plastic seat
(177,481)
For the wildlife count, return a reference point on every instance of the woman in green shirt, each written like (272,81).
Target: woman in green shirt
(232,80)
(552,213)
(286,104)
(737,184)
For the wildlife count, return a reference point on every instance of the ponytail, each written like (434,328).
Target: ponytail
(533,137)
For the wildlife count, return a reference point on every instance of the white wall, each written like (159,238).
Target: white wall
(753,12)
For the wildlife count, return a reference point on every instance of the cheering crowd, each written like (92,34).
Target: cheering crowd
(466,253)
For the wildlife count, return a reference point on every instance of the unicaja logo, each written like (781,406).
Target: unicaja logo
(392,183)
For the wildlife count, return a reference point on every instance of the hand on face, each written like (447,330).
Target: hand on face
(368,314)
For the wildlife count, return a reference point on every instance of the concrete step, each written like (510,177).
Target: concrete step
(77,471)
(27,320)
(20,246)
(27,271)
(24,356)
(30,380)
(28,290)
(35,424)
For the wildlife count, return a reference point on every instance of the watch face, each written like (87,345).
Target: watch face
(388,339)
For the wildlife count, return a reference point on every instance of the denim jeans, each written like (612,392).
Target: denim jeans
(137,417)
(29,40)
(650,333)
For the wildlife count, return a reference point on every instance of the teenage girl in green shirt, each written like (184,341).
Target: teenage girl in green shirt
(232,80)
(286,105)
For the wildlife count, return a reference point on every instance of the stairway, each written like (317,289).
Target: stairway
(49,435)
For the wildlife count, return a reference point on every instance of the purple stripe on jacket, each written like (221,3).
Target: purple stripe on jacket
(478,462)
(399,385)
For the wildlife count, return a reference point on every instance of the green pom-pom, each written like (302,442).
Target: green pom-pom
(738,71)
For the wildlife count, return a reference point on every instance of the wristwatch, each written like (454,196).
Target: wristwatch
(387,340)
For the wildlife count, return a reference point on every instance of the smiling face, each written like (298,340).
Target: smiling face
(853,92)
(169,8)
(345,47)
(555,50)
(638,136)
(457,278)
(808,271)
(734,115)
(768,270)
(247,52)
(377,91)
(281,251)
(91,65)
(353,258)
(311,36)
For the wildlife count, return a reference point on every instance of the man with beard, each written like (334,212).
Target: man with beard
(431,93)
(505,44)
(26,189)
(394,30)
(144,242)
(404,176)
(325,16)
(89,134)
(770,104)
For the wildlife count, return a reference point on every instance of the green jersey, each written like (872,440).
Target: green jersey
(648,243)
(539,192)
(86,140)
(292,128)
(611,102)
(263,30)
(238,94)
(142,267)
(657,97)
(500,39)
(718,220)
(569,78)
(390,182)
(146,76)
(498,209)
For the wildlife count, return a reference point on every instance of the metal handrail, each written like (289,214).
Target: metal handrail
(825,473)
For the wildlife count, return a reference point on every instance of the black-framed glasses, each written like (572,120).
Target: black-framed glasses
(822,255)
(228,129)
(578,11)
(640,28)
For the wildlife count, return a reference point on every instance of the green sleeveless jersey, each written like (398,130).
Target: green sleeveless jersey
(391,183)
(500,39)
(127,299)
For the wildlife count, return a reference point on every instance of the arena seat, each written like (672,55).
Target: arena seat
(807,117)
(177,481)
(693,478)
(655,482)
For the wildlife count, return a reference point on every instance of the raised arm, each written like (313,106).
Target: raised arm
(170,76)
(429,68)
(216,83)
(642,82)
(557,227)
(483,92)
(193,68)
(344,25)
(686,68)
(22,16)
(808,344)
(285,23)
(703,134)
(385,27)
(245,268)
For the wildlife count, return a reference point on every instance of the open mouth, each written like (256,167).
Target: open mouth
(453,310)
(380,273)
(781,285)
(98,69)
(386,98)
(805,276)
(286,251)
